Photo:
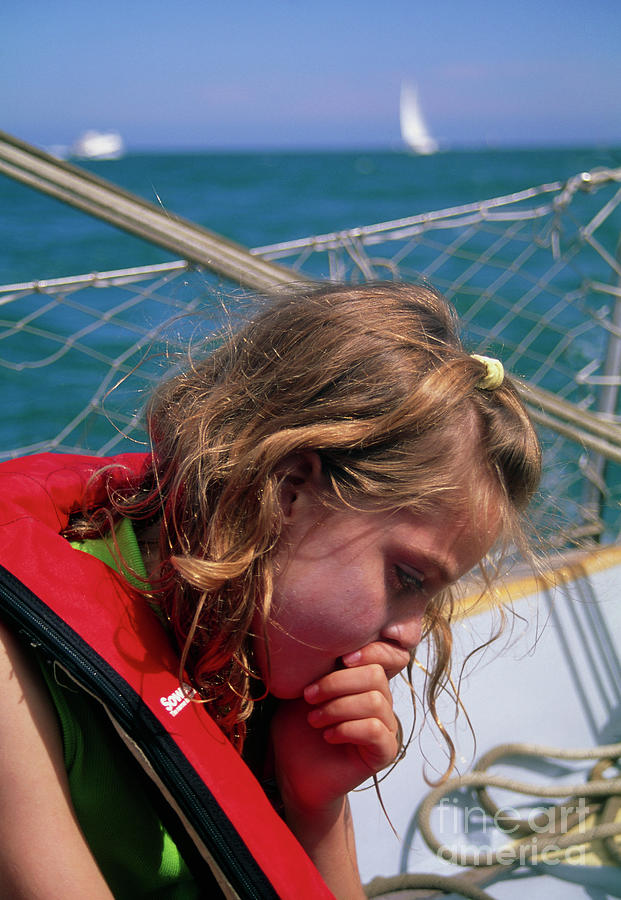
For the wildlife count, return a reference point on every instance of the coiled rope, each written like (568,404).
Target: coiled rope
(535,842)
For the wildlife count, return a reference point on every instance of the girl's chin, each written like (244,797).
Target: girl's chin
(285,690)
(293,689)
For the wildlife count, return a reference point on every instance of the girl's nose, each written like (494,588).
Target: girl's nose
(405,630)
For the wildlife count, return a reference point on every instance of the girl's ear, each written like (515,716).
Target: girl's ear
(301,481)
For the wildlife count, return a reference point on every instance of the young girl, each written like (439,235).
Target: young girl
(314,488)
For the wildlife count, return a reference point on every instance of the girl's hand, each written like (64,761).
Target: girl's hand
(341,733)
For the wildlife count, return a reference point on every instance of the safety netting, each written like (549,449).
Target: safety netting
(535,277)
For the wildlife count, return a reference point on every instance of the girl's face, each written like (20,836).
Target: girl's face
(344,579)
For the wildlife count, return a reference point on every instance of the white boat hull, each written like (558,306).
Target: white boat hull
(98,145)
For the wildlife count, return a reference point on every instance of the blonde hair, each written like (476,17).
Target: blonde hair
(372,378)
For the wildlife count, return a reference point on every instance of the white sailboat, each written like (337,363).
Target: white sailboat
(414,129)
(98,145)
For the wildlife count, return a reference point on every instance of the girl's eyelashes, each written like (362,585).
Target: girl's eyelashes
(409,578)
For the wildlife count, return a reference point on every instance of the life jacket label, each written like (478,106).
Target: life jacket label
(178,700)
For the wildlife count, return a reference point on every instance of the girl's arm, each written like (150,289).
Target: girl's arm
(328,838)
(43,854)
(341,733)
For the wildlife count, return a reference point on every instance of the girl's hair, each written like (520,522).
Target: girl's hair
(373,378)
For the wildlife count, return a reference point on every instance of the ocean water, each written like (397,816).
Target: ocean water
(254,198)
(264,197)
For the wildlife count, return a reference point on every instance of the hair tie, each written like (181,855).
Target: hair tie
(494,373)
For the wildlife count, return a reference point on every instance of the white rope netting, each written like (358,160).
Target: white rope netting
(535,276)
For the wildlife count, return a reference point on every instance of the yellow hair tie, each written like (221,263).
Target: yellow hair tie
(494,373)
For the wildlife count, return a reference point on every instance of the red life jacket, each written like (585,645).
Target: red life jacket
(106,638)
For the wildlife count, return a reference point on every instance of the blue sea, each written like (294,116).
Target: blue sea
(256,199)
(263,197)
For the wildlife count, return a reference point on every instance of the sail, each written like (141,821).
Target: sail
(414,130)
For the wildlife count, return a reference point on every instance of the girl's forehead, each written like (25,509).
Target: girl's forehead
(446,538)
(474,503)
(463,489)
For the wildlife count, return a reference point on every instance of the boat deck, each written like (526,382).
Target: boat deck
(553,678)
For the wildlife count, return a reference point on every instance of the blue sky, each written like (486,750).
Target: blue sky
(246,74)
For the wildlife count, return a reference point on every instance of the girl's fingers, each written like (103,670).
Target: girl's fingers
(354,706)
(392,658)
(358,680)
(375,743)
(371,705)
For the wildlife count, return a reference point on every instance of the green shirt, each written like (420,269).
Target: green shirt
(134,851)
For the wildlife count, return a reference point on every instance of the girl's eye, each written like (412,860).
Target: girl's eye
(410,579)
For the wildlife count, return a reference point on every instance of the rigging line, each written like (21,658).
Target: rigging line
(106,201)
(578,435)
(94,279)
(424,219)
(568,412)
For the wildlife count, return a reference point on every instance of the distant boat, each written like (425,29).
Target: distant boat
(414,129)
(98,145)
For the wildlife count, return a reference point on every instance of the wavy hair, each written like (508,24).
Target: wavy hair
(374,379)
